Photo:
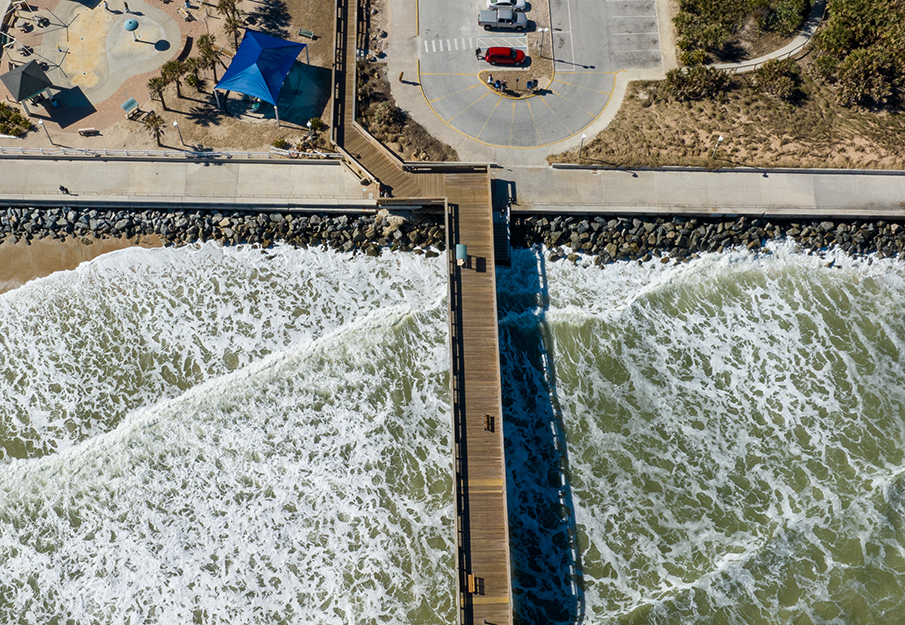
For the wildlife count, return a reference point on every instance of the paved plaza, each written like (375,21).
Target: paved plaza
(588,40)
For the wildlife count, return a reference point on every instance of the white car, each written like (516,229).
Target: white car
(515,5)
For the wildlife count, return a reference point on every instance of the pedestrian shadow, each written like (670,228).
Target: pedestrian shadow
(548,581)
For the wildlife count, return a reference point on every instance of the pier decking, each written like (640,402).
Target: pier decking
(482,527)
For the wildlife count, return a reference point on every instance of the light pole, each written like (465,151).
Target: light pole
(719,139)
(47,132)
(179,132)
(309,128)
(581,145)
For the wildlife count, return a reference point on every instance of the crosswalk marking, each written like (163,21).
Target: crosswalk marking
(471,43)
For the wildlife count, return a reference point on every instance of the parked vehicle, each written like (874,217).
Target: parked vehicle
(504,56)
(503,19)
(515,5)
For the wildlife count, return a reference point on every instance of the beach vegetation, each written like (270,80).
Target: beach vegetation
(12,121)
(813,129)
(860,50)
(694,83)
(282,144)
(778,78)
(317,124)
(709,25)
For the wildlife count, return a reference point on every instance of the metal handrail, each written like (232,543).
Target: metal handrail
(65,151)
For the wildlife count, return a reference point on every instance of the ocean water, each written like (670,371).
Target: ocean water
(228,435)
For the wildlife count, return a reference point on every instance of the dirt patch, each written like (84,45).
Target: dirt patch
(758,130)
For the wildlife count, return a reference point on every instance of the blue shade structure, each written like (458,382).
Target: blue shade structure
(260,66)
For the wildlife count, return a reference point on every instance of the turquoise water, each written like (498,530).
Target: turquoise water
(225,435)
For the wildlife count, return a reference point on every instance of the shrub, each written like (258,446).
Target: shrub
(282,144)
(695,83)
(12,122)
(389,114)
(866,75)
(317,124)
(861,48)
(693,57)
(777,77)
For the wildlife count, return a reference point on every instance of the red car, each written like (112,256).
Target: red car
(504,56)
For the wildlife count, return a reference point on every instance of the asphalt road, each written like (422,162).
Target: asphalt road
(591,41)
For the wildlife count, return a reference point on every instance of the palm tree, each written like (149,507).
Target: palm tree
(155,126)
(173,71)
(228,8)
(207,46)
(233,24)
(156,86)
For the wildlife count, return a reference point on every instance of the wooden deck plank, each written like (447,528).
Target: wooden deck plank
(482,518)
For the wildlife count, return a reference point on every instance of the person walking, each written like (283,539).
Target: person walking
(106,6)
(126,7)
(64,190)
(489,79)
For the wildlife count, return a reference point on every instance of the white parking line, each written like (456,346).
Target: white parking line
(426,49)
(433,45)
(448,47)
(456,41)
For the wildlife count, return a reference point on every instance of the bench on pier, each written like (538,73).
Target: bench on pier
(88,132)
(475,585)
(306,33)
(186,14)
(488,423)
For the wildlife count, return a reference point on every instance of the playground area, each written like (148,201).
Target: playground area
(98,56)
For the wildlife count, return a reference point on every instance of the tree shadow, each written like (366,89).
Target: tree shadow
(205,116)
(548,581)
(271,17)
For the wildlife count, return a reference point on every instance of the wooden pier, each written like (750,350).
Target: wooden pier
(482,523)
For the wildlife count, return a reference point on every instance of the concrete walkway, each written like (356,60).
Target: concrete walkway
(326,185)
(830,193)
(140,183)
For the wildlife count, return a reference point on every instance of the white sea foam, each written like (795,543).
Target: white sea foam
(312,485)
(726,429)
(248,437)
(82,348)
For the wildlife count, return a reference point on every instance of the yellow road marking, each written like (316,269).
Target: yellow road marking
(466,108)
(572,103)
(453,93)
(489,116)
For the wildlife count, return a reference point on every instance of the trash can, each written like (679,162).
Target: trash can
(461,254)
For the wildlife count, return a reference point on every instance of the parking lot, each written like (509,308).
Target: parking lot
(589,40)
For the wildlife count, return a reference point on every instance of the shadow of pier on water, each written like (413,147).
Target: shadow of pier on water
(548,583)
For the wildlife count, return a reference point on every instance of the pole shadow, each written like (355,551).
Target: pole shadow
(548,581)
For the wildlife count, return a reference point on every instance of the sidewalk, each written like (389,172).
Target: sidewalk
(829,193)
(141,183)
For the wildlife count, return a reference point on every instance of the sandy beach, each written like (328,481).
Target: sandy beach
(21,262)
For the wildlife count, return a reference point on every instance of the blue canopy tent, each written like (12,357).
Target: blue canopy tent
(260,66)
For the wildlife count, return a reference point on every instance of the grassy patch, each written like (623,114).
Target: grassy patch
(758,130)
(12,122)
